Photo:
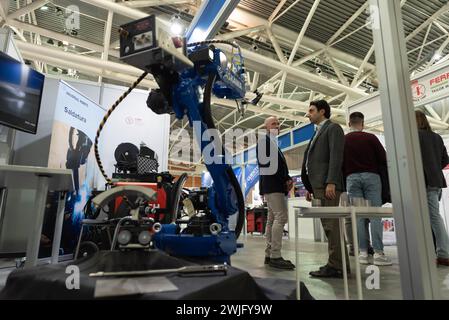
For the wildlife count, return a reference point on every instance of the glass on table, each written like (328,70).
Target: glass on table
(344,200)
(357,202)
(316,202)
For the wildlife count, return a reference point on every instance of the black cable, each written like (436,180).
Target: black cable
(207,112)
(207,116)
(105,118)
(130,205)
(179,185)
(233,44)
(240,201)
(232,179)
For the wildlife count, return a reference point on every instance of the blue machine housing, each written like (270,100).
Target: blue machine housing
(188,99)
(217,248)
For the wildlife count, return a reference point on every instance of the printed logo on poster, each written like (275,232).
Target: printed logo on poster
(418,91)
(129,120)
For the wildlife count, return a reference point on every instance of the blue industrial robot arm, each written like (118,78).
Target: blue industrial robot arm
(187,76)
(192,97)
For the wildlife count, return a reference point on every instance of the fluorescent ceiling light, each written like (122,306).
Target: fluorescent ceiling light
(437,57)
(176,26)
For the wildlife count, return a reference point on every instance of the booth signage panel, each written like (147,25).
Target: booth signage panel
(239,174)
(284,141)
(303,134)
(75,123)
(431,87)
(251,177)
(207,181)
(427,87)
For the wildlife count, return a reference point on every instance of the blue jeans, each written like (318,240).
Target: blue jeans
(437,224)
(367,185)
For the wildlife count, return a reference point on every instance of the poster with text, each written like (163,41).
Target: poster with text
(75,123)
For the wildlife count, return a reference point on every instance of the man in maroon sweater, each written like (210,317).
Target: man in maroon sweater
(363,157)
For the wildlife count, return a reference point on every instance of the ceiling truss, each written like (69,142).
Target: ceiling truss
(284,74)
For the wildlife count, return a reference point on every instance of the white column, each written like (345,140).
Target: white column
(415,247)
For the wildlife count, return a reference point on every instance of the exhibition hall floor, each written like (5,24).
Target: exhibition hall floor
(313,255)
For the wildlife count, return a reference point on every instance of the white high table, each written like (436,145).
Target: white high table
(40,179)
(339,213)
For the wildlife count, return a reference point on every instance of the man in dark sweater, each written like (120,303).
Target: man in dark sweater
(275,183)
(364,155)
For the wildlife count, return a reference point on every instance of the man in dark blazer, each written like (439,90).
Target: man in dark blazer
(322,177)
(274,185)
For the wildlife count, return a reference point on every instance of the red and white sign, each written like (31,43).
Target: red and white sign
(427,87)
(431,86)
(418,91)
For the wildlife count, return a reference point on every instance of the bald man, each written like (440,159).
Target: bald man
(275,183)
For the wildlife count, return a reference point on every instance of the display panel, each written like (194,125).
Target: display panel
(20,94)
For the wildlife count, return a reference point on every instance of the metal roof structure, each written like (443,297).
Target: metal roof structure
(295,50)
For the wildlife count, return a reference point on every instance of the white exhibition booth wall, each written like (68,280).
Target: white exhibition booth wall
(429,88)
(72,109)
(131,122)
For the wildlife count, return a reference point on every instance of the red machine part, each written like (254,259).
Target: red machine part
(250,221)
(160,203)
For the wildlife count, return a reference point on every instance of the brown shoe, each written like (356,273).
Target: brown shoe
(443,262)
